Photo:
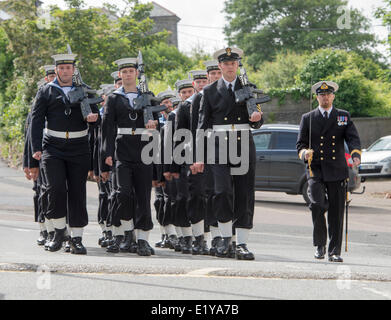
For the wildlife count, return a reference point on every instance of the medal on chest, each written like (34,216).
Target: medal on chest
(342,120)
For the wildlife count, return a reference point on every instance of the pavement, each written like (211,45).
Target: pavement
(281,240)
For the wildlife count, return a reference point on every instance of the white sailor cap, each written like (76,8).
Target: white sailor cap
(175,100)
(182,84)
(198,74)
(107,88)
(325,86)
(127,63)
(211,65)
(116,76)
(228,54)
(49,69)
(166,95)
(41,83)
(64,58)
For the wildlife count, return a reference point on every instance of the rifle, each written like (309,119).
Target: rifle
(80,94)
(253,97)
(146,99)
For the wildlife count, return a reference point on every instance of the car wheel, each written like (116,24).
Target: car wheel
(306,192)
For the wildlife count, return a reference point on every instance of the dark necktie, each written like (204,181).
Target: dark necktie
(326,115)
(230,91)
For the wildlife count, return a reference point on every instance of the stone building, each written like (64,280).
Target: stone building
(165,20)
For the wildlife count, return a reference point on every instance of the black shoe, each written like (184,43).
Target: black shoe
(114,248)
(187,245)
(43,235)
(49,239)
(102,238)
(143,248)
(59,238)
(172,241)
(125,244)
(213,248)
(77,247)
(166,243)
(198,245)
(178,246)
(133,244)
(161,243)
(150,248)
(223,247)
(232,250)
(67,245)
(109,240)
(242,253)
(320,252)
(335,258)
(205,249)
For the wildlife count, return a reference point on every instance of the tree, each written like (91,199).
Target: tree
(264,28)
(361,89)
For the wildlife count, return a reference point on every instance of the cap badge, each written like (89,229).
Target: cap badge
(324,86)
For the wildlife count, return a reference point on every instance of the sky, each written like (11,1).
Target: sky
(209,15)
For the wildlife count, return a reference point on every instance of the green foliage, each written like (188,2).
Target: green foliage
(6,62)
(363,90)
(98,36)
(280,73)
(361,96)
(264,28)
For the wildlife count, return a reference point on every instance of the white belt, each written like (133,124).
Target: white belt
(66,135)
(131,131)
(231,127)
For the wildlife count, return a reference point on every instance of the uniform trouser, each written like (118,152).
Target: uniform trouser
(159,204)
(36,189)
(112,200)
(104,192)
(327,196)
(169,192)
(66,189)
(210,216)
(181,208)
(197,198)
(135,178)
(234,196)
(43,197)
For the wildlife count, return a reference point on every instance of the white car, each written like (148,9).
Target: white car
(376,160)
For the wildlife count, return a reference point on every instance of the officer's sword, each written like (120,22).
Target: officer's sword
(310,136)
(347,213)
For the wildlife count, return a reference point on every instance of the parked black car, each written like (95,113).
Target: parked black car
(278,165)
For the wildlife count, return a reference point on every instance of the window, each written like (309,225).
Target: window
(286,141)
(381,145)
(262,141)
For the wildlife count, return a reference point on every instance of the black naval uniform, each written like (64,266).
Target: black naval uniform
(330,171)
(196,200)
(169,189)
(104,187)
(181,217)
(205,180)
(233,195)
(125,149)
(65,162)
(30,162)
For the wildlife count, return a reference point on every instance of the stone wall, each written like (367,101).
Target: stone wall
(169,23)
(369,129)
